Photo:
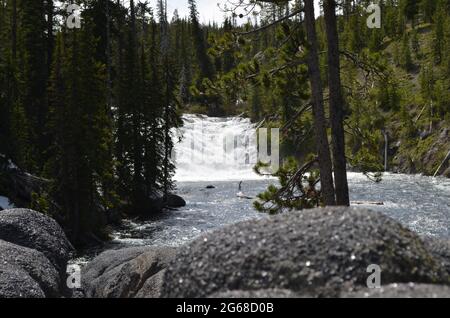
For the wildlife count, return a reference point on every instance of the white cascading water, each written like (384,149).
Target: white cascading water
(214,149)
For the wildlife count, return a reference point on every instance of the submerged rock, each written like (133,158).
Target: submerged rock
(34,264)
(127,272)
(34,230)
(319,252)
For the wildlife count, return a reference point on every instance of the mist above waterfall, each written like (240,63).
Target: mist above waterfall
(213,149)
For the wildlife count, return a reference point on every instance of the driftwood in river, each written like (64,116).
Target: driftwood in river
(366,203)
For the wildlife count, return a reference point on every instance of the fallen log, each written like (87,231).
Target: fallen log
(366,203)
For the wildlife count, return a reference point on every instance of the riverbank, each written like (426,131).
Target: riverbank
(245,260)
(427,154)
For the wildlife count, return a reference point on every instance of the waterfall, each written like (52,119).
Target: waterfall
(214,149)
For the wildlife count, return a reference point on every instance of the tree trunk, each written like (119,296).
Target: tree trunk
(336,105)
(323,148)
(50,37)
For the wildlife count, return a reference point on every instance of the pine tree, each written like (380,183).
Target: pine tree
(206,68)
(427,7)
(405,53)
(80,161)
(438,32)
(409,10)
(32,49)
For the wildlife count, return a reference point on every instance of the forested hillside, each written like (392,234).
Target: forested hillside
(87,111)
(395,81)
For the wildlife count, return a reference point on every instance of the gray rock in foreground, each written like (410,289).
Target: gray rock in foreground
(34,264)
(440,249)
(16,283)
(402,291)
(34,230)
(318,252)
(250,294)
(152,286)
(124,273)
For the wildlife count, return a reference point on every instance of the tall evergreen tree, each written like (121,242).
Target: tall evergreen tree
(198,36)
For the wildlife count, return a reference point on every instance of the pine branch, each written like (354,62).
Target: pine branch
(264,27)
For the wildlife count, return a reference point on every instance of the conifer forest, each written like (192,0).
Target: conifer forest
(96,96)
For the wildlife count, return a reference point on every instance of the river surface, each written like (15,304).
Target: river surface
(203,158)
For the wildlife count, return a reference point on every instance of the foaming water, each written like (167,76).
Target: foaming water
(215,149)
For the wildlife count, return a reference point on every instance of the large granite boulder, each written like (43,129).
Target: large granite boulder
(402,291)
(37,231)
(317,253)
(34,264)
(16,283)
(127,273)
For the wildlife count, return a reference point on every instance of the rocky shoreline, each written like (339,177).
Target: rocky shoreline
(315,253)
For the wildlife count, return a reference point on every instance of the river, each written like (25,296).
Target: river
(420,203)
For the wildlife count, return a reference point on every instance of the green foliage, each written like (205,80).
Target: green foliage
(438,33)
(297,190)
(405,58)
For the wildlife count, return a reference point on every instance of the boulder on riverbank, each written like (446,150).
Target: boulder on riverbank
(36,266)
(314,253)
(34,252)
(175,201)
(34,230)
(157,203)
(124,273)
